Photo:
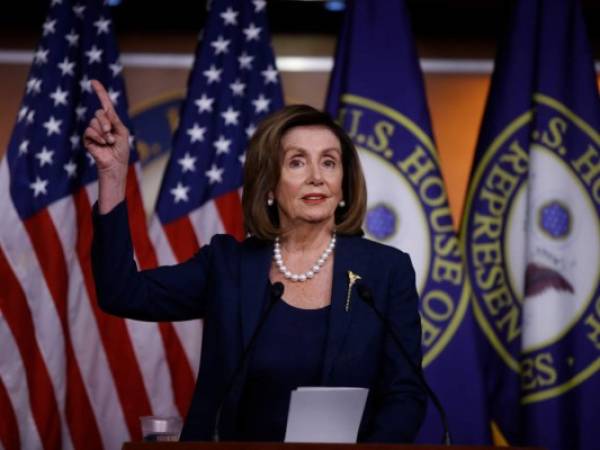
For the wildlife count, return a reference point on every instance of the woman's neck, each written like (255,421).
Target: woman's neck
(307,236)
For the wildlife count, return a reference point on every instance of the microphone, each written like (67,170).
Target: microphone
(367,296)
(276,292)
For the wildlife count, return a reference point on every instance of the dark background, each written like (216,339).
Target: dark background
(450,28)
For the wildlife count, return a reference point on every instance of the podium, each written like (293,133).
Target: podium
(290,446)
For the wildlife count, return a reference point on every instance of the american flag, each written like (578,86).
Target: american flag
(233,85)
(71,377)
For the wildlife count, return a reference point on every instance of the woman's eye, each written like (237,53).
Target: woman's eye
(296,162)
(330,163)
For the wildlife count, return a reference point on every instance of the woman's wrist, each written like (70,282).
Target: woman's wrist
(111,190)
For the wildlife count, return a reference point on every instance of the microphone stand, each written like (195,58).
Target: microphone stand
(276,293)
(365,294)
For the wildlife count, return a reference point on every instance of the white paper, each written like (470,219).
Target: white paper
(325,414)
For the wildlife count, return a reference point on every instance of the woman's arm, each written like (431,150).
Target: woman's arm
(163,294)
(166,293)
(401,401)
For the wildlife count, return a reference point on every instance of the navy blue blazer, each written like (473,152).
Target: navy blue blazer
(226,283)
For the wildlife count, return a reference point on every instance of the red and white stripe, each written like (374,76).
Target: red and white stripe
(179,240)
(72,377)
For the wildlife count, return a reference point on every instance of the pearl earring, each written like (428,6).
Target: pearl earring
(342,204)
(270,201)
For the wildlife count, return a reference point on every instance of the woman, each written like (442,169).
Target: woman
(304,201)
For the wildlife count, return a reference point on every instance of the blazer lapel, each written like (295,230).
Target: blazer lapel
(256,262)
(341,312)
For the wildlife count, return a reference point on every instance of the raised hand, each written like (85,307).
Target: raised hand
(107,140)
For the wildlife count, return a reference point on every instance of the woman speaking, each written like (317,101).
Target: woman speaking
(304,201)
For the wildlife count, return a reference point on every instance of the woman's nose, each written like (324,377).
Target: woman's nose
(315,175)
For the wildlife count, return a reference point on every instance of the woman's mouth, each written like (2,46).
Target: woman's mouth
(314,198)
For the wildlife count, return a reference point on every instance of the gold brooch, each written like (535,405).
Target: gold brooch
(352,278)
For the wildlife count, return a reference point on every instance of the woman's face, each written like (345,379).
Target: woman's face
(310,185)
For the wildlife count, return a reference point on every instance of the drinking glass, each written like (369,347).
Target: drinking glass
(161,429)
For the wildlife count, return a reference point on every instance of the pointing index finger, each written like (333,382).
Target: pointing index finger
(102,96)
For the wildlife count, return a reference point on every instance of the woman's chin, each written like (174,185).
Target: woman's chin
(318,219)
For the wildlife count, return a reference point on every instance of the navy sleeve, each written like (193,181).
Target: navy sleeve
(401,401)
(164,294)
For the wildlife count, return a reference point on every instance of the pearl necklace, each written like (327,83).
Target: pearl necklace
(309,273)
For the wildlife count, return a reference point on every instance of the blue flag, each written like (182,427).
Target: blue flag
(377,93)
(531,231)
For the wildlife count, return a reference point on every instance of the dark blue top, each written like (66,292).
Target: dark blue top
(225,283)
(288,353)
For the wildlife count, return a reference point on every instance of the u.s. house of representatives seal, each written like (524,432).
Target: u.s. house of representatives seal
(408,208)
(532,247)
